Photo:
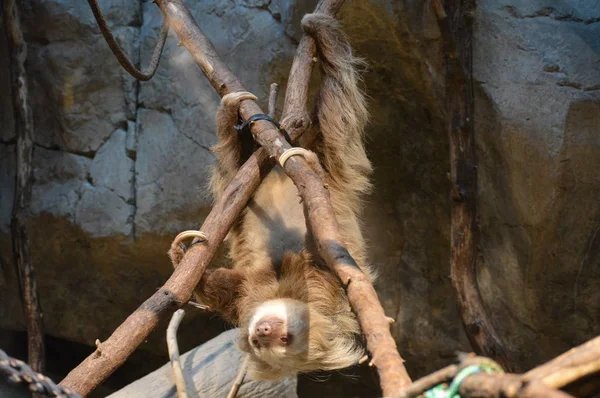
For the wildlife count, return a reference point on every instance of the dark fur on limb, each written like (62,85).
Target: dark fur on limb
(20,237)
(179,287)
(464,231)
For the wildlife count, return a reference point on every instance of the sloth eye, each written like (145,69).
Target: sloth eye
(286,339)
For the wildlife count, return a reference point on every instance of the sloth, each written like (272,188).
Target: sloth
(292,310)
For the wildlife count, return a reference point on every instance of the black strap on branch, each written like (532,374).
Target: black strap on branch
(245,127)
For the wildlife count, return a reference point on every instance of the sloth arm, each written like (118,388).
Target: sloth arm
(219,289)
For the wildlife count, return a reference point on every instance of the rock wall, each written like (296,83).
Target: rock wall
(537,67)
(121,166)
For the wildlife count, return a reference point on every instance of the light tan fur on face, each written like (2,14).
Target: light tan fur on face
(332,333)
(272,253)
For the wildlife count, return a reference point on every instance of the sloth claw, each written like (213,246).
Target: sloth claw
(237,97)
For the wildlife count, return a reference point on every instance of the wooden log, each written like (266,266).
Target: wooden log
(463,165)
(21,206)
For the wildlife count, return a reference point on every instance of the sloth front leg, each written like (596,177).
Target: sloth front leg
(228,149)
(220,289)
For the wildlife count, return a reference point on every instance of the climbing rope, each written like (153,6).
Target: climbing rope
(451,391)
(120,54)
(18,372)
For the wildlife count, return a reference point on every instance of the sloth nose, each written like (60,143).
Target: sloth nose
(263,329)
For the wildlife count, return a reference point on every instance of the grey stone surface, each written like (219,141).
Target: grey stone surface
(209,371)
(106,207)
(537,65)
(79,93)
(122,166)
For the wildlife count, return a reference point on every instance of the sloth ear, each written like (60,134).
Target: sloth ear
(220,289)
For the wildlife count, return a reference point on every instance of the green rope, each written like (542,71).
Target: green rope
(445,391)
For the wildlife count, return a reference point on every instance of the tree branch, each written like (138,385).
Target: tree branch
(178,289)
(173,349)
(21,206)
(567,370)
(361,294)
(239,378)
(273,91)
(464,230)
(575,372)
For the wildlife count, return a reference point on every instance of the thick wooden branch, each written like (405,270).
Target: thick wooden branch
(361,294)
(178,289)
(506,386)
(464,230)
(21,206)
(575,372)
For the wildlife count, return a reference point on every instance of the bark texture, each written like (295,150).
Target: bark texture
(455,23)
(22,201)
(575,372)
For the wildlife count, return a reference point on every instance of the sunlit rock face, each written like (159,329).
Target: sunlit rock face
(122,166)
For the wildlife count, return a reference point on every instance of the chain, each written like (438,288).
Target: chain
(18,372)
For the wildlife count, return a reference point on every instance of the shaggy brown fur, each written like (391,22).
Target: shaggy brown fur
(269,249)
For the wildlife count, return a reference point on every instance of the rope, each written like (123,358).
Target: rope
(451,391)
(18,372)
(288,153)
(120,54)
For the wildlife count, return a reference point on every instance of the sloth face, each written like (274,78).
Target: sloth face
(279,328)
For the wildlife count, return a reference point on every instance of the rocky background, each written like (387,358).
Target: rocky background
(121,168)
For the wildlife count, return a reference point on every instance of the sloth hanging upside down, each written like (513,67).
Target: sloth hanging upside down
(291,309)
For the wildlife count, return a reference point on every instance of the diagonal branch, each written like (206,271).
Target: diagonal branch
(463,162)
(361,294)
(178,289)
(574,373)
(21,205)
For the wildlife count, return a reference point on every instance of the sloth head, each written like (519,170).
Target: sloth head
(286,336)
(298,322)
(279,328)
